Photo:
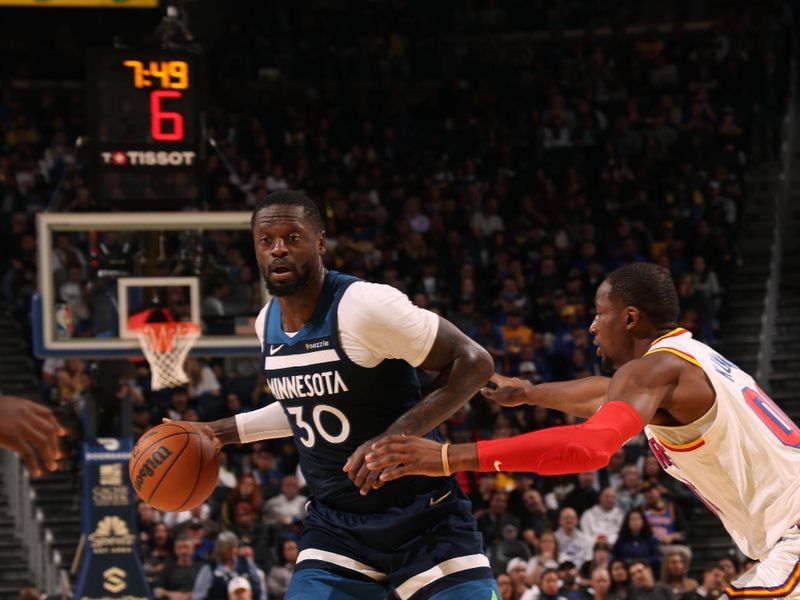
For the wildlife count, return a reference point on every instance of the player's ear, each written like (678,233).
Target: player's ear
(321,246)
(631,317)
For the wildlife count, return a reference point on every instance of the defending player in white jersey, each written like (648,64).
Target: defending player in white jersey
(706,420)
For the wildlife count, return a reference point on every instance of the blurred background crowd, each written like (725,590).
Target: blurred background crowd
(492,167)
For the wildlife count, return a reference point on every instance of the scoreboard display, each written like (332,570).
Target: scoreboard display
(146,127)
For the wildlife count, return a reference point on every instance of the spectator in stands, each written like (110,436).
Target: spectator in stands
(146,518)
(253,533)
(599,587)
(643,587)
(671,488)
(571,588)
(287,506)
(507,548)
(547,556)
(179,404)
(706,282)
(505,586)
(247,552)
(620,579)
(636,540)
(604,519)
(245,491)
(572,542)
(601,558)
(675,573)
(712,586)
(239,588)
(204,389)
(731,567)
(611,476)
(281,573)
(141,421)
(666,520)
(226,564)
(630,495)
(491,523)
(176,579)
(533,517)
(549,586)
(178,522)
(264,471)
(584,495)
(203,544)
(516,569)
(159,551)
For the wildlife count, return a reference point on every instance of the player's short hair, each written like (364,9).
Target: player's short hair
(290,198)
(649,288)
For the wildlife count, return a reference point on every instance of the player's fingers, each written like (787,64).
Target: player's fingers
(389,439)
(383,461)
(369,482)
(28,455)
(488,393)
(51,451)
(387,448)
(360,475)
(44,439)
(391,475)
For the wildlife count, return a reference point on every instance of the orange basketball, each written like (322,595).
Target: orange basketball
(173,467)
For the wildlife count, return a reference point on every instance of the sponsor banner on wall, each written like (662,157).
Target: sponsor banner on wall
(110,565)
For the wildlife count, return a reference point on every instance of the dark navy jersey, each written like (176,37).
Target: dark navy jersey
(334,405)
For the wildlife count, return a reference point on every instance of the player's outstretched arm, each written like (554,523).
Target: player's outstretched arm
(266,423)
(580,398)
(637,390)
(465,366)
(32,431)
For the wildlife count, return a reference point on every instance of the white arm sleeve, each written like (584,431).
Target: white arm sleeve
(378,322)
(266,423)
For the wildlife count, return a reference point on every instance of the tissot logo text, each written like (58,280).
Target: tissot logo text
(149,158)
(158,456)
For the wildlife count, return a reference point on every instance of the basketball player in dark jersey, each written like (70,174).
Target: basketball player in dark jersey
(339,355)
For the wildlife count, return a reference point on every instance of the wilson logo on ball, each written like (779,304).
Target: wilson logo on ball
(158,456)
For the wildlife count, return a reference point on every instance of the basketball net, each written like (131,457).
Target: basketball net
(165,346)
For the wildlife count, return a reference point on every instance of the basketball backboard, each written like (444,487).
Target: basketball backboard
(99,270)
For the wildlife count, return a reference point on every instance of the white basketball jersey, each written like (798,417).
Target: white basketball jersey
(742,458)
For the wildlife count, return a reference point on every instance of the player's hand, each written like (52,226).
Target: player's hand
(396,456)
(510,391)
(364,478)
(32,431)
(202,428)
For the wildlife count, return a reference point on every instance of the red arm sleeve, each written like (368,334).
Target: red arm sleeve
(568,449)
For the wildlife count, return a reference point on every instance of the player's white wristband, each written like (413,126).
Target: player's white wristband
(266,423)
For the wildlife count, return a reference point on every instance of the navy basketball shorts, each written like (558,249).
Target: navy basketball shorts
(429,549)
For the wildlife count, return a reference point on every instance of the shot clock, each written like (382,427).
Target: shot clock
(146,127)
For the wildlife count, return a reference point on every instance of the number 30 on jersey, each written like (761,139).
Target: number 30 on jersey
(310,433)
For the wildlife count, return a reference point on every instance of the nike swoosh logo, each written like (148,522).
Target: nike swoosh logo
(497,465)
(436,501)
(274,349)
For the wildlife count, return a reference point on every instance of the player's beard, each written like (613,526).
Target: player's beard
(287,289)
